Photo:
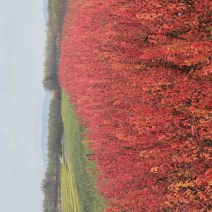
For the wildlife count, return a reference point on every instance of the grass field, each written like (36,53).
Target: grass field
(78,191)
(68,188)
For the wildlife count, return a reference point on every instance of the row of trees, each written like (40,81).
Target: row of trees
(139,73)
(56,11)
(51,181)
(51,185)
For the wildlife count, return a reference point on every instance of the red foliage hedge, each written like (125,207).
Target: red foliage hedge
(139,74)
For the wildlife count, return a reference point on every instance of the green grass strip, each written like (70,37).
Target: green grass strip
(81,183)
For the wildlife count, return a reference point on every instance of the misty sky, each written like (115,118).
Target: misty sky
(22,41)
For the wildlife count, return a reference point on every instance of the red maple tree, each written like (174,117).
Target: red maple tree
(139,74)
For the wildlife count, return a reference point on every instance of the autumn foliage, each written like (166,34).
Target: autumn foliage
(139,74)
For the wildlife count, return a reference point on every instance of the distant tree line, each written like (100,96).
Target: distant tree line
(51,182)
(56,11)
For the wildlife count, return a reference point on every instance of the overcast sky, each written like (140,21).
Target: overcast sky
(22,38)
